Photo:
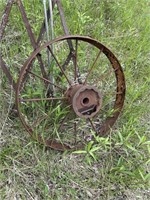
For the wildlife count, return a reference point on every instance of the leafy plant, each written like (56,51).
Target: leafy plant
(116,166)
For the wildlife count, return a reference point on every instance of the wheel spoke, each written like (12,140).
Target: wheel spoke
(41,99)
(67,61)
(76,110)
(58,64)
(44,79)
(93,127)
(91,69)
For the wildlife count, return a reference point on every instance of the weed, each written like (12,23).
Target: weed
(113,167)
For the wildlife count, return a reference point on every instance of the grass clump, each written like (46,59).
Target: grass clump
(115,167)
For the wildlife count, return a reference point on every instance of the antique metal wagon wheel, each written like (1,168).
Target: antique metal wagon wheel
(83,98)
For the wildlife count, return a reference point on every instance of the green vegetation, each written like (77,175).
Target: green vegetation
(114,167)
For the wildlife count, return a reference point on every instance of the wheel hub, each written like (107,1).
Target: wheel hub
(86,100)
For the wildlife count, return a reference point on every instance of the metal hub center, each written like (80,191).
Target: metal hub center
(86,100)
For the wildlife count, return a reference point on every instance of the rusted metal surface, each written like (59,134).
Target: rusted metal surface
(34,43)
(5,17)
(31,35)
(7,72)
(81,97)
(63,21)
(2,29)
(86,100)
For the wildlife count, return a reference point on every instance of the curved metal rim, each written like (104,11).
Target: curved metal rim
(120,93)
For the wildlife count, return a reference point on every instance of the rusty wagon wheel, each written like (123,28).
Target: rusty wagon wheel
(81,96)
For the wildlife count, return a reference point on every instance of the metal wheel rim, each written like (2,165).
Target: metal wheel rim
(120,93)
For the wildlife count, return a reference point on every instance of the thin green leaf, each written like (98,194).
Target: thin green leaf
(93,156)
(80,152)
(94,149)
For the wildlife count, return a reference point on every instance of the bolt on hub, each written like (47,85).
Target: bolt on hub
(86,100)
(64,127)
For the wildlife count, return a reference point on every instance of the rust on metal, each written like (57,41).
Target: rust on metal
(42,99)
(85,100)
(5,17)
(2,29)
(31,35)
(34,43)
(7,72)
(63,21)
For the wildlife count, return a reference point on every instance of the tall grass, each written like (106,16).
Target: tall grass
(117,166)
